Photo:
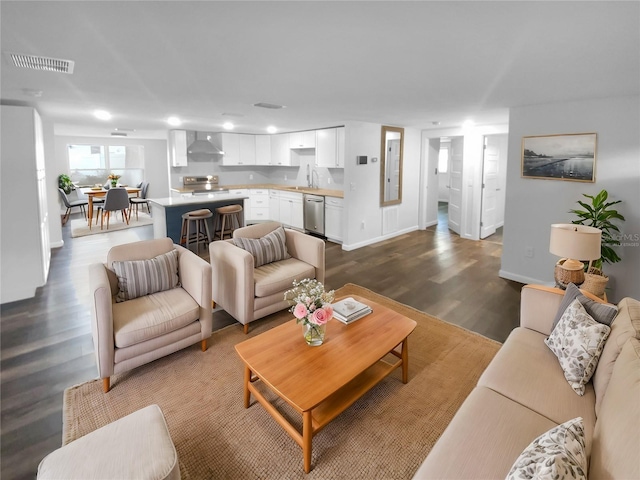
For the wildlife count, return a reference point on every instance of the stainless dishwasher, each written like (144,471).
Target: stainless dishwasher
(314,214)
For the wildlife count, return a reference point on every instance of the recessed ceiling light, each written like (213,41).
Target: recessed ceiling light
(174,121)
(102,115)
(272,129)
(228,126)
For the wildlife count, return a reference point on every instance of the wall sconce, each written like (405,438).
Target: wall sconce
(574,243)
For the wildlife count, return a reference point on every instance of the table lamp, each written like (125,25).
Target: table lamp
(574,243)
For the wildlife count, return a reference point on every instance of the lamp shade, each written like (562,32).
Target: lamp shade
(577,242)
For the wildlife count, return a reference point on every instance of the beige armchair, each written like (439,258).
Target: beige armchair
(248,293)
(136,331)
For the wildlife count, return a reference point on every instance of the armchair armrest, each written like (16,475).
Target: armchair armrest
(232,281)
(308,249)
(102,318)
(195,277)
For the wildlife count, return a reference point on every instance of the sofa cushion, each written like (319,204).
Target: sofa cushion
(484,438)
(617,434)
(626,325)
(577,340)
(270,248)
(279,276)
(526,371)
(600,312)
(137,278)
(152,315)
(558,454)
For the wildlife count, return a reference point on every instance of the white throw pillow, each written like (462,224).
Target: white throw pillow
(556,454)
(578,341)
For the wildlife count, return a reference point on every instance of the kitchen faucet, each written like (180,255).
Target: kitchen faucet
(309,180)
(317,184)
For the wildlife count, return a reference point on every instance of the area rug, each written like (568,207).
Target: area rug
(80,228)
(386,434)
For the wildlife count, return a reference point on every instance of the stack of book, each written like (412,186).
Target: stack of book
(349,310)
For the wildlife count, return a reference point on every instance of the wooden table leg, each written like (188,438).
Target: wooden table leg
(90,210)
(405,360)
(307,435)
(247,393)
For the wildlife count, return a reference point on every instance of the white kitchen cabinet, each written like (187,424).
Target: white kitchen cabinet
(330,147)
(263,150)
(239,149)
(291,210)
(281,152)
(302,139)
(25,248)
(258,205)
(333,212)
(341,146)
(178,148)
(274,205)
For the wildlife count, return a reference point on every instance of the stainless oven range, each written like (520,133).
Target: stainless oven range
(203,184)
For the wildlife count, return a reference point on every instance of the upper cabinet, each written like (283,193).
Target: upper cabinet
(263,150)
(281,151)
(178,148)
(330,147)
(302,139)
(239,149)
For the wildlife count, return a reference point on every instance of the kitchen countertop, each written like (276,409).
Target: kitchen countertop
(285,188)
(200,198)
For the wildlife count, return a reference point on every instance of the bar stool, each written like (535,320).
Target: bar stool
(201,228)
(228,213)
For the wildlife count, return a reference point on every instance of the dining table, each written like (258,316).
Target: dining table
(92,192)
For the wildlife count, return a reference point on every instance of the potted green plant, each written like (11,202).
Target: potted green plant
(64,182)
(599,214)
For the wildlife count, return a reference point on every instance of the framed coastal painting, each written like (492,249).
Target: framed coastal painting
(560,157)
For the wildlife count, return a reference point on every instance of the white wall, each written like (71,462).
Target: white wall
(362,186)
(533,205)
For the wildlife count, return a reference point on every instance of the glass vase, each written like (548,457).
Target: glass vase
(314,334)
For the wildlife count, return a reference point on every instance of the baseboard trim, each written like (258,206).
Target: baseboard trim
(381,238)
(523,279)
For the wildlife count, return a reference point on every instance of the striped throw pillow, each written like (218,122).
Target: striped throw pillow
(270,248)
(137,278)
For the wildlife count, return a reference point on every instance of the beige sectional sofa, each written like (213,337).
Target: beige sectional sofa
(523,393)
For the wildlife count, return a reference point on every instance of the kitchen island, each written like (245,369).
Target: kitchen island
(167,212)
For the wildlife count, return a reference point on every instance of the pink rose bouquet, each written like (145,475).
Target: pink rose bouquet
(309,302)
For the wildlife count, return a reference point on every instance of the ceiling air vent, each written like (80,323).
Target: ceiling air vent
(118,134)
(36,62)
(268,105)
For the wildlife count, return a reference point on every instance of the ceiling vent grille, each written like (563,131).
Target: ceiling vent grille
(268,105)
(118,134)
(36,62)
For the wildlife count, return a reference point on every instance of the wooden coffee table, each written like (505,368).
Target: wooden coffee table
(321,382)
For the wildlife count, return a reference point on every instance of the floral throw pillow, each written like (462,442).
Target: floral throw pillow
(577,341)
(556,454)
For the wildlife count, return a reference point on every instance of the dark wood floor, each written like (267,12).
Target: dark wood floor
(46,341)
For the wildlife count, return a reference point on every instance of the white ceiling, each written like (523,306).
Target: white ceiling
(396,63)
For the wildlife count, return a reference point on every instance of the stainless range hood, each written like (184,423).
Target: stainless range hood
(203,145)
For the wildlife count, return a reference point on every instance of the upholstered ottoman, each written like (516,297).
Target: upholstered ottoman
(136,446)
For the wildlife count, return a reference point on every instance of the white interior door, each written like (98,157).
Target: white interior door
(490,185)
(455,182)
